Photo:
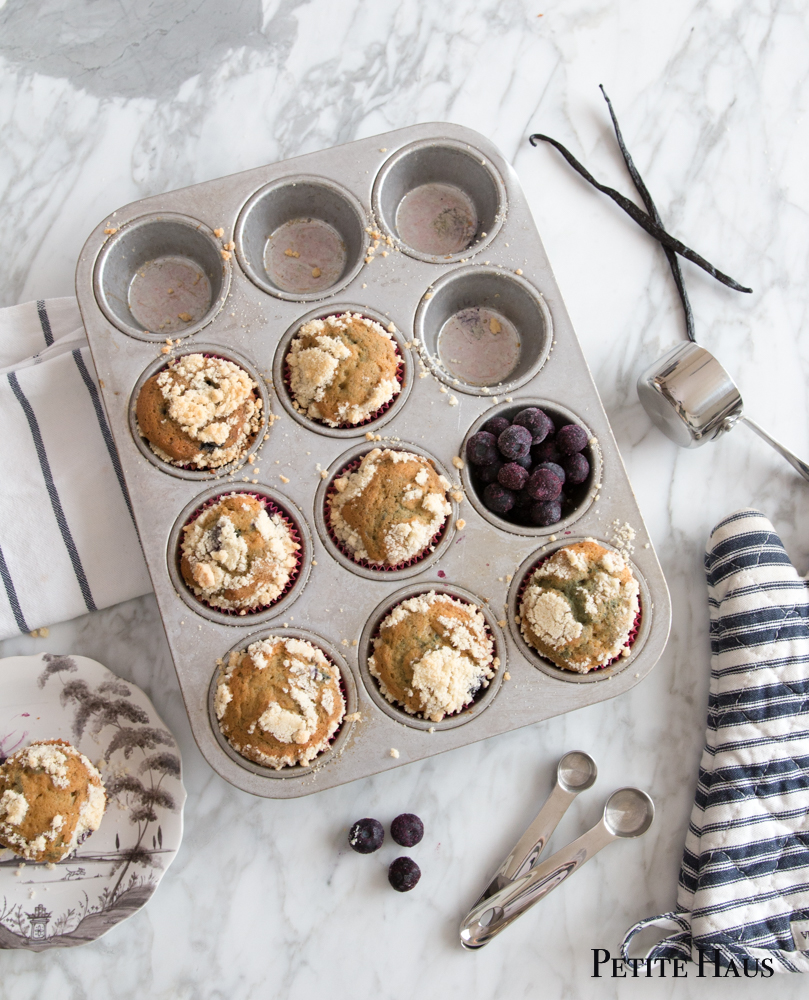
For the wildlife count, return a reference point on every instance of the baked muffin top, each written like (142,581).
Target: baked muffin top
(237,556)
(51,798)
(432,655)
(342,369)
(279,701)
(579,607)
(199,411)
(389,509)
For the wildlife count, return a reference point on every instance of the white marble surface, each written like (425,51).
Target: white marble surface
(103,102)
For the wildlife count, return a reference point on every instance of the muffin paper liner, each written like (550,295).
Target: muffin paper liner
(217,469)
(484,685)
(399,374)
(633,632)
(331,491)
(271,509)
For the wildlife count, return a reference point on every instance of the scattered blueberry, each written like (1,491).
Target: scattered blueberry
(577,468)
(512,476)
(481,448)
(498,499)
(546,451)
(488,473)
(407,830)
(536,421)
(514,442)
(496,425)
(545,513)
(543,485)
(571,438)
(404,874)
(366,836)
(557,470)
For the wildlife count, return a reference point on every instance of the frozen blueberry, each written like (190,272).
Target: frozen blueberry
(536,421)
(481,448)
(404,874)
(407,830)
(526,462)
(512,476)
(514,442)
(498,499)
(557,470)
(366,836)
(496,425)
(488,473)
(543,485)
(577,468)
(546,512)
(571,438)
(546,451)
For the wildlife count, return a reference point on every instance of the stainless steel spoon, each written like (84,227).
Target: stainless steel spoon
(575,773)
(692,399)
(628,813)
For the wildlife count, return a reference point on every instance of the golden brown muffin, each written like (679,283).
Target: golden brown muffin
(236,556)
(390,508)
(579,607)
(432,655)
(199,411)
(342,369)
(279,702)
(51,799)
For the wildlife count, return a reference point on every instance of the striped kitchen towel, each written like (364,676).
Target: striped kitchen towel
(68,542)
(744,880)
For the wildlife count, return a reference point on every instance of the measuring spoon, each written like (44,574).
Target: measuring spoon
(575,773)
(628,813)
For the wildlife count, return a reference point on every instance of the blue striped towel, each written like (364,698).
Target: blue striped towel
(744,881)
(68,543)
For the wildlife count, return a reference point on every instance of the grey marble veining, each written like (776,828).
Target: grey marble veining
(105,102)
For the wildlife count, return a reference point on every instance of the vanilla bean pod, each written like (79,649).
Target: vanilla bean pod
(643,220)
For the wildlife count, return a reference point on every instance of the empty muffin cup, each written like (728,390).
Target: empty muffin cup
(441,200)
(161,277)
(301,238)
(574,499)
(338,740)
(485,693)
(484,329)
(637,635)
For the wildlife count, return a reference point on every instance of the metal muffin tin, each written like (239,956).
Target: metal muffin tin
(355,189)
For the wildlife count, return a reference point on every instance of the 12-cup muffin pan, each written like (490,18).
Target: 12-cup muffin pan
(358,205)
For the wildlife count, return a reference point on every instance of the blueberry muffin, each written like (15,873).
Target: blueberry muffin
(432,655)
(342,369)
(389,509)
(198,411)
(579,607)
(51,799)
(279,702)
(236,556)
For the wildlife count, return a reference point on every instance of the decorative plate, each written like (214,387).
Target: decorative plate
(116,870)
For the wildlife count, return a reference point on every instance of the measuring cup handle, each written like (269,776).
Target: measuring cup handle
(793,460)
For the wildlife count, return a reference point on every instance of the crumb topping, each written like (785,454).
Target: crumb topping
(13,807)
(342,369)
(389,509)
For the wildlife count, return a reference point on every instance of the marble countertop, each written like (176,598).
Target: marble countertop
(104,102)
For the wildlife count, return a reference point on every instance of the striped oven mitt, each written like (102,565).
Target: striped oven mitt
(744,882)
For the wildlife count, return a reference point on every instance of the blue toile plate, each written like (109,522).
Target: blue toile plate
(116,870)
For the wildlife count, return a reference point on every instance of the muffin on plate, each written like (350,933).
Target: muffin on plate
(579,607)
(342,369)
(236,556)
(390,509)
(279,702)
(432,655)
(199,411)
(51,799)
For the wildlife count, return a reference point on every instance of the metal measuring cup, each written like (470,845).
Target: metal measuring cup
(692,399)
